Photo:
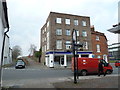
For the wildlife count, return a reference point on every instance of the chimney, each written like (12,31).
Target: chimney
(92,28)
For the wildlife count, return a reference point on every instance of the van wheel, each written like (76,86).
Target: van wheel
(108,71)
(83,72)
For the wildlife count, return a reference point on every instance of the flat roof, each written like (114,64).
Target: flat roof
(115,30)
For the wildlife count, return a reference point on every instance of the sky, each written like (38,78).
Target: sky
(26,17)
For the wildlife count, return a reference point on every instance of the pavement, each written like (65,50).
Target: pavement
(102,82)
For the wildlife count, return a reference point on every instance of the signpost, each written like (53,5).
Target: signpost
(75,47)
(74,42)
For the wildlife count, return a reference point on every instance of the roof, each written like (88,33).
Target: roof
(115,30)
(68,14)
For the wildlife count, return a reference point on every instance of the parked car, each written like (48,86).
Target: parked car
(117,63)
(19,65)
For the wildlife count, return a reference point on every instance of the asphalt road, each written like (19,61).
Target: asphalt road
(44,76)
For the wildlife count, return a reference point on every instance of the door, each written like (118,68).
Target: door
(62,61)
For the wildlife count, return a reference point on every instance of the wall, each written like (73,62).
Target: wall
(102,42)
(1,30)
(6,51)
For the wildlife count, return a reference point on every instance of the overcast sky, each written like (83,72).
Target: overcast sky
(26,17)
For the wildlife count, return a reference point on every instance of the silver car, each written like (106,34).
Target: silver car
(19,65)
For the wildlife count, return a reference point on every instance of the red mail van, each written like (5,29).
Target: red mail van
(90,66)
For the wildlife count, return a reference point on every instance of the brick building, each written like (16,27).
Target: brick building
(57,31)
(99,44)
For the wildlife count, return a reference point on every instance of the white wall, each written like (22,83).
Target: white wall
(1,30)
(6,51)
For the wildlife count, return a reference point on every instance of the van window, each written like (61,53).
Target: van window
(105,63)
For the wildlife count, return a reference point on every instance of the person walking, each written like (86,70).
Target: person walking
(101,68)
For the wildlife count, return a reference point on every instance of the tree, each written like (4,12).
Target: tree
(32,49)
(16,51)
(38,53)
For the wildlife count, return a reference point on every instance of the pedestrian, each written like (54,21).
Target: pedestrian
(101,68)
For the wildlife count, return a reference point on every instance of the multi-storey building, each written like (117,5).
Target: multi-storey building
(114,53)
(99,44)
(57,31)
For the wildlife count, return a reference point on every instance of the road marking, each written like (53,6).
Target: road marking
(21,69)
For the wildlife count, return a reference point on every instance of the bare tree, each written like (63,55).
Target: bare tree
(32,49)
(16,51)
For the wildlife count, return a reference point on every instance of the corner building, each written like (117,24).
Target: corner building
(57,31)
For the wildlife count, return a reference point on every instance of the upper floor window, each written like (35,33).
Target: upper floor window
(84,23)
(48,24)
(68,32)
(58,20)
(98,48)
(77,32)
(67,21)
(68,46)
(85,46)
(43,31)
(97,38)
(76,22)
(84,33)
(59,44)
(58,31)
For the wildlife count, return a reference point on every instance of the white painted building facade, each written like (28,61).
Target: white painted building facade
(1,28)
(7,52)
(4,26)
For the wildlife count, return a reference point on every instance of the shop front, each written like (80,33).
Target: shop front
(63,59)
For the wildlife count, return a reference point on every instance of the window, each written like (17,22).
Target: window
(43,39)
(58,31)
(75,22)
(45,29)
(97,38)
(45,48)
(84,23)
(68,32)
(98,48)
(59,44)
(48,24)
(58,20)
(77,32)
(84,33)
(85,46)
(67,44)
(98,56)
(47,40)
(67,21)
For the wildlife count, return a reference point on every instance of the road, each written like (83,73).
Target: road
(39,77)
